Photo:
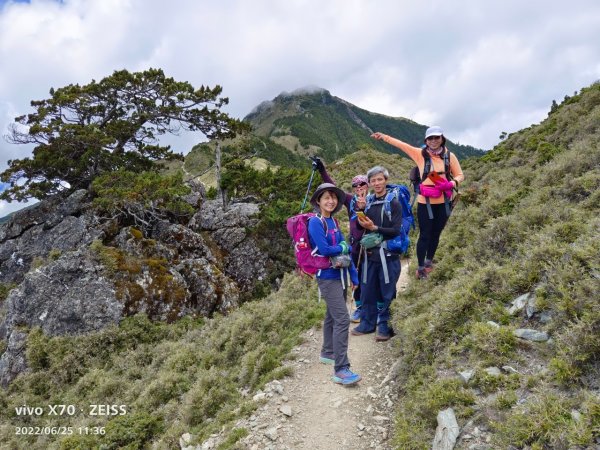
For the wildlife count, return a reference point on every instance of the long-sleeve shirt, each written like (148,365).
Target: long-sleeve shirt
(437,162)
(355,233)
(329,245)
(388,228)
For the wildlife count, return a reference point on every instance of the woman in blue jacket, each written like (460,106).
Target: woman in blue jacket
(326,237)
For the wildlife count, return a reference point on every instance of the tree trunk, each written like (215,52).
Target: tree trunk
(220,191)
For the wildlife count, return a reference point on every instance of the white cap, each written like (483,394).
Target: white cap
(434,131)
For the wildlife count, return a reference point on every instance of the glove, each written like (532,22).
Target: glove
(345,247)
(444,185)
(317,163)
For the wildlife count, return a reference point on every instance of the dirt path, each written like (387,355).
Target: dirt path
(309,411)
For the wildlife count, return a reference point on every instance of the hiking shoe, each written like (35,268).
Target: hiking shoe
(326,360)
(421,274)
(357,332)
(346,377)
(356,315)
(428,268)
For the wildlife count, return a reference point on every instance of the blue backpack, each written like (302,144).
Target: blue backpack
(400,243)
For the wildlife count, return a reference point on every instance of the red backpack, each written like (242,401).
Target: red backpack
(307,259)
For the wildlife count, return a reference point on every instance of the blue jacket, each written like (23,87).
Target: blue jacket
(328,245)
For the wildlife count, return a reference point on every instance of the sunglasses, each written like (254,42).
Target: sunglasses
(433,138)
(358,184)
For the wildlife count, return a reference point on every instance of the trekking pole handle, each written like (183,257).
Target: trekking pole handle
(307,190)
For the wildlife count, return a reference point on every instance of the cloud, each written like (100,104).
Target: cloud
(475,68)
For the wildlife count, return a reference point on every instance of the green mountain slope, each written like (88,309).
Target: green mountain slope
(528,225)
(318,123)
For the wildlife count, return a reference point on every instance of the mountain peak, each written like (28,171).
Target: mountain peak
(311,121)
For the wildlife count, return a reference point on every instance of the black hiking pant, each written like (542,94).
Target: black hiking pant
(429,230)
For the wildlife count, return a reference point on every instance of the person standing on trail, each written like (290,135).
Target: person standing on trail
(440,175)
(353,202)
(326,237)
(381,268)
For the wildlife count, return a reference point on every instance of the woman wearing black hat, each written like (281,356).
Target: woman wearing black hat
(326,237)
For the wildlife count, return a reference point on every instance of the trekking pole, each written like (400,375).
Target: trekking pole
(307,190)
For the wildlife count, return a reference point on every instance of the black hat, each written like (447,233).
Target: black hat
(341,195)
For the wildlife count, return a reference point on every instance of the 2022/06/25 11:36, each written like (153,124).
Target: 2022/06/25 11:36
(23,431)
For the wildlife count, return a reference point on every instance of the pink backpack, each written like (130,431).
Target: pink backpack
(306,258)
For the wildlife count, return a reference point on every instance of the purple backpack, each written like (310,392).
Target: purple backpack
(307,260)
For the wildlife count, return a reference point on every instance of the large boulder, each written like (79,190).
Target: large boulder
(240,254)
(51,225)
(68,296)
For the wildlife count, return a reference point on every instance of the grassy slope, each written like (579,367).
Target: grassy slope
(184,377)
(529,222)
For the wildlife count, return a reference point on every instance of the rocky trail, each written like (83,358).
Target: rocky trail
(309,411)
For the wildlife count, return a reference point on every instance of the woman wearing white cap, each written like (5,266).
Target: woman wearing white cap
(440,174)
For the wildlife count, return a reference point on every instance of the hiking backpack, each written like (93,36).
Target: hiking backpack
(416,178)
(400,243)
(307,259)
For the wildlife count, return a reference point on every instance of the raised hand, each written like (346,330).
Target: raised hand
(361,200)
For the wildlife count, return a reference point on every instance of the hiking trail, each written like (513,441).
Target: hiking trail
(309,411)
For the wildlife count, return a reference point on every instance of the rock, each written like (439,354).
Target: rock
(185,440)
(213,216)
(447,431)
(519,303)
(466,376)
(68,296)
(286,410)
(493,371)
(51,229)
(531,335)
(576,415)
(545,317)
(13,360)
(210,290)
(509,369)
(259,396)
(360,427)
(271,433)
(493,324)
(381,418)
(209,444)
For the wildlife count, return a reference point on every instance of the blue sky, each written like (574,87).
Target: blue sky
(476,68)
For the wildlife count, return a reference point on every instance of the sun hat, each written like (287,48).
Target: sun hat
(434,131)
(359,179)
(341,195)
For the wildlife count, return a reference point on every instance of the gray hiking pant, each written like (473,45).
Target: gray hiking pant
(336,323)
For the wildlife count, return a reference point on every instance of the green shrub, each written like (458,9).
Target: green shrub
(547,421)
(491,345)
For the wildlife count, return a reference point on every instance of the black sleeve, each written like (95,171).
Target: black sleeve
(391,230)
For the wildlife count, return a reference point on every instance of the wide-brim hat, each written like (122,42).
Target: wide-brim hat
(341,195)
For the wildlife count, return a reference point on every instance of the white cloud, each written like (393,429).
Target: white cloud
(475,68)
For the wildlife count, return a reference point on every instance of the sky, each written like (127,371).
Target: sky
(476,68)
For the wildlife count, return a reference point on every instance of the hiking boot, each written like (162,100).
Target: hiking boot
(358,332)
(384,332)
(346,377)
(428,268)
(326,360)
(356,315)
(421,274)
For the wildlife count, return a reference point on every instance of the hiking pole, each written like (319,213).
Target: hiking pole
(307,190)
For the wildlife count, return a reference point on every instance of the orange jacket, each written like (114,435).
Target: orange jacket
(437,162)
